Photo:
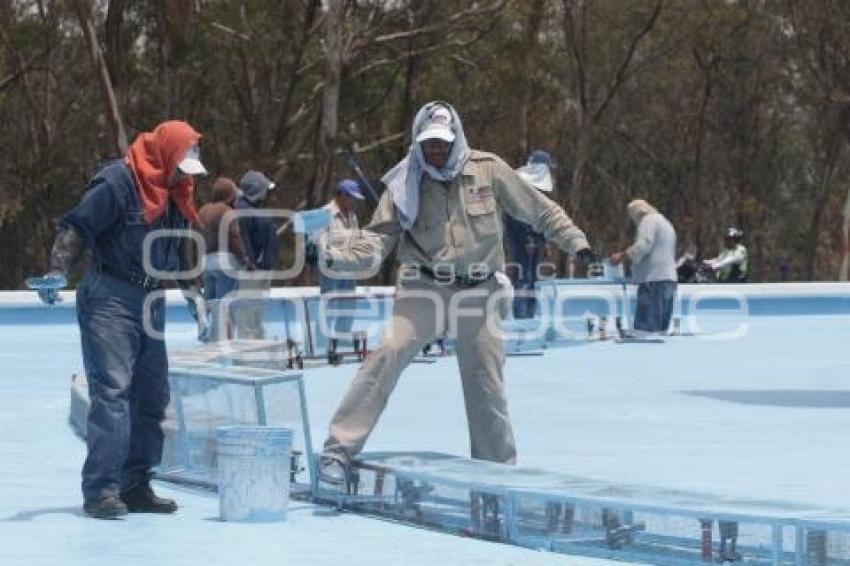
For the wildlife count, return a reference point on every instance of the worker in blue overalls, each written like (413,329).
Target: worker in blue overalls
(121,321)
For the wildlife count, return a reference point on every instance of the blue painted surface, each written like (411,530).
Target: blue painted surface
(605,300)
(575,299)
(599,410)
(813,399)
(42,524)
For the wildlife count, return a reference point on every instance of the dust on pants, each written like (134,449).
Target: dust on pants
(424,310)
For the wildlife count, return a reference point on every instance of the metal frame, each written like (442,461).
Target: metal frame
(257,379)
(629,540)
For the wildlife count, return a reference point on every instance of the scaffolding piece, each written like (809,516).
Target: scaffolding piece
(206,397)
(545,510)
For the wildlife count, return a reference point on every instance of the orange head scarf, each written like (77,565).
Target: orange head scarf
(153,158)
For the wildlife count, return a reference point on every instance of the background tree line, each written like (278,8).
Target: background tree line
(720,112)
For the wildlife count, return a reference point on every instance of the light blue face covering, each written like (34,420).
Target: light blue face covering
(537,175)
(403,179)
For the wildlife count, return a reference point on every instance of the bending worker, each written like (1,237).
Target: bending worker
(223,258)
(259,242)
(120,325)
(442,212)
(731,265)
(653,258)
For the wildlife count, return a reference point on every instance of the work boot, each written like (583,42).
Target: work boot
(332,471)
(142,499)
(105,507)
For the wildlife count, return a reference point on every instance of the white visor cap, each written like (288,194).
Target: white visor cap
(191,162)
(438,126)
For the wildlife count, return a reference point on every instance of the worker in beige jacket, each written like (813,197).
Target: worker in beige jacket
(442,211)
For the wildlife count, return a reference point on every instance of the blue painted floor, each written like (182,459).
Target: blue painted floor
(696,413)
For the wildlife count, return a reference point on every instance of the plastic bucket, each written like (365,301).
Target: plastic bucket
(253,473)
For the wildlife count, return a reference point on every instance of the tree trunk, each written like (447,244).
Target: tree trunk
(329,124)
(285,112)
(113,114)
(696,201)
(833,151)
(583,142)
(408,98)
(532,29)
(174,22)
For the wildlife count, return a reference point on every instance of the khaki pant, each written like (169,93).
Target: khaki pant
(423,311)
(248,311)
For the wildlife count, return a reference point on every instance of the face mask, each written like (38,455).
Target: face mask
(537,175)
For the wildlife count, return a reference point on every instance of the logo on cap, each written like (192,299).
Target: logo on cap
(441,116)
(438,126)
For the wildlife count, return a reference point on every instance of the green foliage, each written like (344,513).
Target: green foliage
(725,113)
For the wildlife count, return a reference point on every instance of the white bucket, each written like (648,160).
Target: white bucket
(253,473)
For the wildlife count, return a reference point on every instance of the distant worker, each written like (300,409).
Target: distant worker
(121,327)
(525,246)
(442,214)
(731,265)
(343,220)
(653,261)
(259,242)
(223,257)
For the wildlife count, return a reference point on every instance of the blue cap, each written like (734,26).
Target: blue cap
(541,156)
(351,188)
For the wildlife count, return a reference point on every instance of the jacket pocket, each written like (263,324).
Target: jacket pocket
(481,210)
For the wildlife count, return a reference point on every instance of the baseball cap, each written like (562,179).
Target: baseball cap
(437,126)
(351,188)
(541,156)
(255,185)
(191,162)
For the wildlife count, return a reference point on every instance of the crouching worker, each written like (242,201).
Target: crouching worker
(121,326)
(442,213)
(731,265)
(224,257)
(653,259)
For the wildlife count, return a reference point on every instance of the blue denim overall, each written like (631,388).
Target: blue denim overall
(126,366)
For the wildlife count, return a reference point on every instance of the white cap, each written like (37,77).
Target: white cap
(438,126)
(191,162)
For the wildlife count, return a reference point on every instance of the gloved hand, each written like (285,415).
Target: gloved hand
(192,304)
(47,287)
(325,258)
(595,270)
(616,258)
(587,256)
(198,311)
(49,296)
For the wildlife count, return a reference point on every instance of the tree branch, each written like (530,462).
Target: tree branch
(578,56)
(22,68)
(83,9)
(457,20)
(621,72)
